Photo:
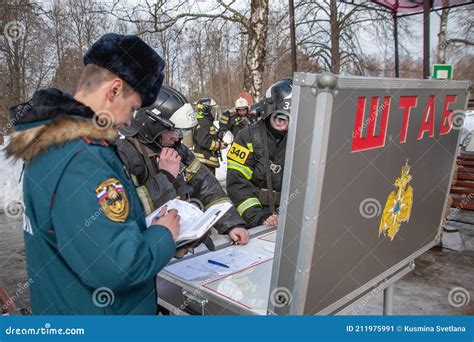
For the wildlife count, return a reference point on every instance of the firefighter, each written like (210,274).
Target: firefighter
(207,144)
(163,168)
(255,160)
(236,119)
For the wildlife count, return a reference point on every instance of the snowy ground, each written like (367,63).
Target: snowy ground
(10,188)
(222,170)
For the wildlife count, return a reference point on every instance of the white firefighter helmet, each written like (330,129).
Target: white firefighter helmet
(173,105)
(171,110)
(184,117)
(241,103)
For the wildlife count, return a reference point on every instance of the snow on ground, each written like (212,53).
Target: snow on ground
(10,171)
(221,172)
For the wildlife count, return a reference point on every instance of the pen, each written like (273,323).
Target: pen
(213,262)
(158,216)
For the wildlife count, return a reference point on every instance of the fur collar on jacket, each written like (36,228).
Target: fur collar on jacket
(29,143)
(52,118)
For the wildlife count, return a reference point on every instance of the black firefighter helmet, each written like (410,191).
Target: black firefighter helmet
(277,99)
(171,111)
(205,105)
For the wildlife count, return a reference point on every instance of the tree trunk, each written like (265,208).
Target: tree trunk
(257,47)
(442,42)
(335,37)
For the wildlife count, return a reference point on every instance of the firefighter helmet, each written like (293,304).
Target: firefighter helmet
(205,105)
(241,103)
(277,99)
(170,111)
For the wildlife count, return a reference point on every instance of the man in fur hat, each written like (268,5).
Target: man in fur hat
(87,245)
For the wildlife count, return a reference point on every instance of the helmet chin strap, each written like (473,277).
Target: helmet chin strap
(157,146)
(176,145)
(153,144)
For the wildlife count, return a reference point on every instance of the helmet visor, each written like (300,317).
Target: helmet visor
(155,115)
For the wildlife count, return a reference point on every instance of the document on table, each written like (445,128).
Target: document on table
(199,268)
(187,211)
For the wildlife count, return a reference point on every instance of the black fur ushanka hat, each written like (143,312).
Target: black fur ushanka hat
(131,59)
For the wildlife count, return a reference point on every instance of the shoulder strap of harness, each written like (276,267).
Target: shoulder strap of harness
(256,138)
(133,160)
(259,138)
(266,161)
(150,167)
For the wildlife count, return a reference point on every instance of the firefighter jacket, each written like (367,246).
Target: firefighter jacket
(247,170)
(234,123)
(206,141)
(156,187)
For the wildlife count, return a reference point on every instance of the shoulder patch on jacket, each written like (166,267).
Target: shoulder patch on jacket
(95,142)
(238,153)
(113,200)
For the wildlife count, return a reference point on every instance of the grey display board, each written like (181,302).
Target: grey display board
(368,169)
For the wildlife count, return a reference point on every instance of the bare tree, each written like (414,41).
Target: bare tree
(23,52)
(252,21)
(459,39)
(329,31)
(42,43)
(257,29)
(74,26)
(88,22)
(442,42)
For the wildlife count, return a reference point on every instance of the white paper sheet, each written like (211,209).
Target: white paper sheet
(187,211)
(199,268)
